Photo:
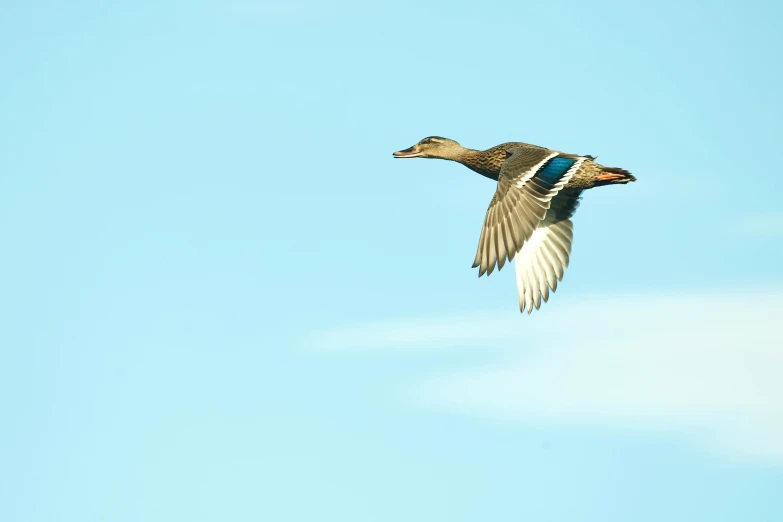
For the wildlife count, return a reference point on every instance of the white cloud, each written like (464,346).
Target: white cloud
(707,366)
(433,333)
(765,225)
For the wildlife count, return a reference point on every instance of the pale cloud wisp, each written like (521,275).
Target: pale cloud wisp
(708,367)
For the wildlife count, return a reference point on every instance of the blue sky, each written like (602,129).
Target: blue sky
(224,300)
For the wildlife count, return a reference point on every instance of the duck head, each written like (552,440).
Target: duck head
(432,147)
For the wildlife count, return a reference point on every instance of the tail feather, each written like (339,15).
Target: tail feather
(615,175)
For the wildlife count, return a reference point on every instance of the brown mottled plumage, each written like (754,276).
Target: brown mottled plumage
(488,163)
(530,215)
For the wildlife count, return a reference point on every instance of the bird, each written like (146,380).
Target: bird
(529,218)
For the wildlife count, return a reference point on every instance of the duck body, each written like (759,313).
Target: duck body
(529,217)
(590,174)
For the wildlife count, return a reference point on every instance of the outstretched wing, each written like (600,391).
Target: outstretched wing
(544,257)
(528,181)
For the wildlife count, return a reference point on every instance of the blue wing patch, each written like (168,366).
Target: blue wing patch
(554,169)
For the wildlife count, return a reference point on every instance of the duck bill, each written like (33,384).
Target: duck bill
(411,152)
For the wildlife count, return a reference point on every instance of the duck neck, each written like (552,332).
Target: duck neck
(482,162)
